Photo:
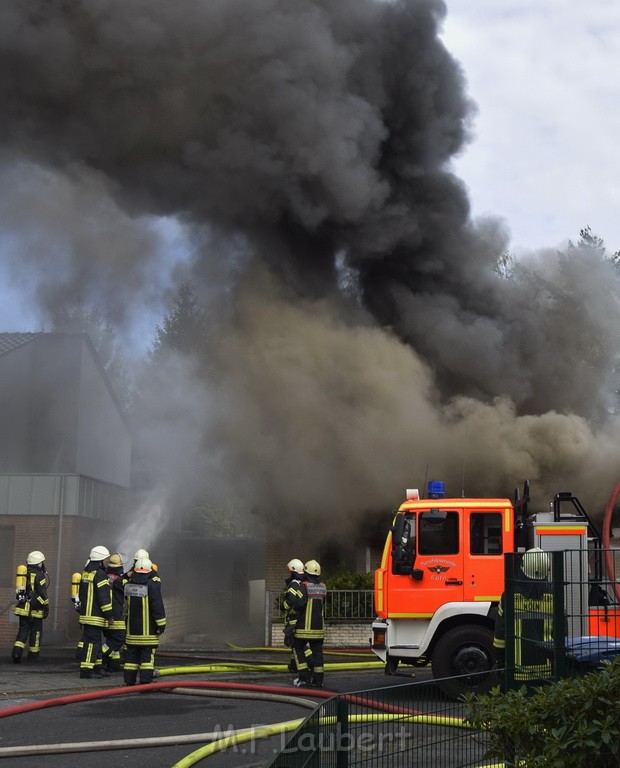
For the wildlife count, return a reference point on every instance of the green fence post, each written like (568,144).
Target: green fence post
(342,733)
(509,618)
(559,616)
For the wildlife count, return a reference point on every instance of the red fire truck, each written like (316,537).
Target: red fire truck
(442,574)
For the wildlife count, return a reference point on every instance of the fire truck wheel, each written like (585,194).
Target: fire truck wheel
(461,651)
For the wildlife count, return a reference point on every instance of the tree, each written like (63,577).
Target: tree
(184,327)
(505,265)
(589,240)
(77,318)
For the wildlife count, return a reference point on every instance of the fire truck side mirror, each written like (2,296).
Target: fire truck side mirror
(403,549)
(398,529)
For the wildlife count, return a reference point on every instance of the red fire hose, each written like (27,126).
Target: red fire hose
(609,561)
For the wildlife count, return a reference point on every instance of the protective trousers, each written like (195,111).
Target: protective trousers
(311,668)
(90,642)
(112,647)
(139,658)
(29,633)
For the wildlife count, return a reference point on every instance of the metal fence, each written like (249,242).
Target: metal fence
(340,605)
(417,725)
(403,726)
(564,624)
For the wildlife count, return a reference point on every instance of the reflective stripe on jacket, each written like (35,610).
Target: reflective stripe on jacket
(307,599)
(95,596)
(145,611)
(36,604)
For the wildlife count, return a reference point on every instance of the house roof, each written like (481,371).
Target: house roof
(11,341)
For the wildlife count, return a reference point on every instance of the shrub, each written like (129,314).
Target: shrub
(345,579)
(569,724)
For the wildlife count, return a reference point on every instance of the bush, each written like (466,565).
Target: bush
(345,579)
(569,724)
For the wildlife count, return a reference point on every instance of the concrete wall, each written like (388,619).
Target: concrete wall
(103,445)
(59,412)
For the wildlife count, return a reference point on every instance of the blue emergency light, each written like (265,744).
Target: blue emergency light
(436,489)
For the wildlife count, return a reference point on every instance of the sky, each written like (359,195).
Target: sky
(545,154)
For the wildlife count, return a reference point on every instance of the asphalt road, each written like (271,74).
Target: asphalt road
(156,714)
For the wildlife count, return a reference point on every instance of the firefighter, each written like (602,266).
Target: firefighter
(146,621)
(114,634)
(136,556)
(32,607)
(295,574)
(307,601)
(533,620)
(95,611)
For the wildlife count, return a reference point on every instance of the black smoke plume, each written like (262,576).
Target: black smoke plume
(361,331)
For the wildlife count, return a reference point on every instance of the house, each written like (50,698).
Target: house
(66,486)
(65,460)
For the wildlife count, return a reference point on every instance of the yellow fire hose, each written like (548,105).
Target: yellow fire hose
(240,667)
(267,649)
(265,731)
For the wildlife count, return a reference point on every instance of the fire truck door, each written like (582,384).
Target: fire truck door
(483,553)
(439,564)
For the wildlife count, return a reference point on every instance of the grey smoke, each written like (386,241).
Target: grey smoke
(309,139)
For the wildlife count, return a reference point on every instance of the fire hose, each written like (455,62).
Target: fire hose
(605,541)
(222,740)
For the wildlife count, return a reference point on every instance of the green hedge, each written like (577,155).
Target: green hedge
(574,723)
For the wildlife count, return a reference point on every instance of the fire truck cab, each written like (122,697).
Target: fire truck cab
(442,575)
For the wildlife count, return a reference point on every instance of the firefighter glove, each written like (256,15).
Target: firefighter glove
(289,635)
(160,630)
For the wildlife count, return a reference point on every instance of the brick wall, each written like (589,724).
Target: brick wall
(73,540)
(343,635)
(277,555)
(180,620)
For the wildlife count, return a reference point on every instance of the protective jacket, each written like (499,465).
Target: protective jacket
(293,593)
(36,603)
(117,583)
(306,600)
(95,595)
(533,629)
(145,611)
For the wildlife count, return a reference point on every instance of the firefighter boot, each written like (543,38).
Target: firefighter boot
(317,680)
(17,657)
(101,671)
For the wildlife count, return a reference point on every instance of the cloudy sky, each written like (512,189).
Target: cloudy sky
(545,154)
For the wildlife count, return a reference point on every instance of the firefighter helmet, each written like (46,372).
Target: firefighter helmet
(295,565)
(115,561)
(35,558)
(535,563)
(312,567)
(140,553)
(99,553)
(143,565)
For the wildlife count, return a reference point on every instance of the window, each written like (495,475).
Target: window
(7,545)
(438,533)
(485,533)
